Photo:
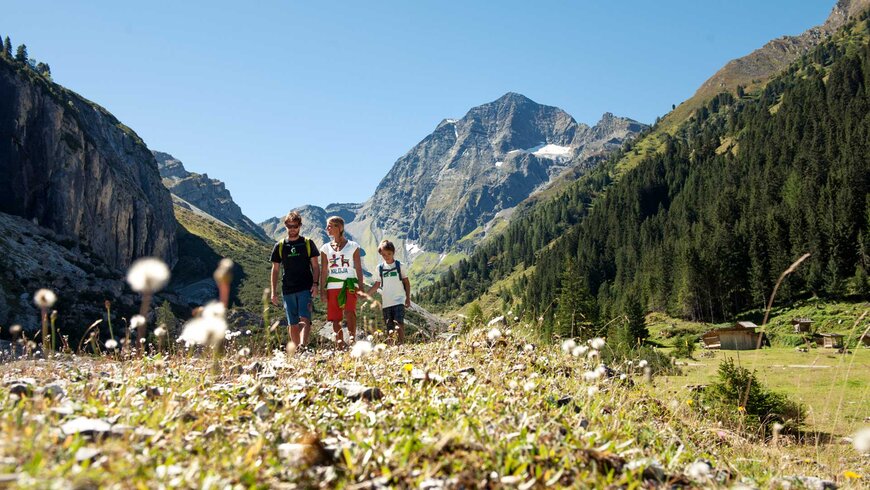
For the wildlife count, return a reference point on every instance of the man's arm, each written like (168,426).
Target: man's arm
(276,269)
(315,272)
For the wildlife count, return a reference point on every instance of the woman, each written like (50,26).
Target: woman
(342,268)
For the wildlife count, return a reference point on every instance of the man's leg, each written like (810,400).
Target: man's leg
(291,306)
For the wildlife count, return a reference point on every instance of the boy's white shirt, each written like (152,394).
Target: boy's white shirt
(392,287)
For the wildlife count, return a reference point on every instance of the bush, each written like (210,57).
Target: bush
(622,347)
(756,410)
(684,346)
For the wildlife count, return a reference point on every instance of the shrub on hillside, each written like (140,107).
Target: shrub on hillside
(623,347)
(684,346)
(755,410)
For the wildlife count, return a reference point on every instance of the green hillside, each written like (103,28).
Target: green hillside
(202,243)
(703,228)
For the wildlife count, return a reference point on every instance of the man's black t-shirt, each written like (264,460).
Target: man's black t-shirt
(297,264)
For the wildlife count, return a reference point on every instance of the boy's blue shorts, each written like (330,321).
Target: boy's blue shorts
(297,305)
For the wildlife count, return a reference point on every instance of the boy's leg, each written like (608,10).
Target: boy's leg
(400,322)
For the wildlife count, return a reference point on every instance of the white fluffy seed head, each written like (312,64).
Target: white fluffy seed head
(494,334)
(597,343)
(642,363)
(861,440)
(111,344)
(160,331)
(568,346)
(215,309)
(148,275)
(44,298)
(204,331)
(224,272)
(361,349)
(137,321)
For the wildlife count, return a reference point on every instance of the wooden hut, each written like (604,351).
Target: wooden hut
(742,336)
(802,325)
(865,339)
(829,340)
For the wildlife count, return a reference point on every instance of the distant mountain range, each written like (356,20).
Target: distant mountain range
(463,180)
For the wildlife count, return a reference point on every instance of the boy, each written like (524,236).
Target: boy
(396,289)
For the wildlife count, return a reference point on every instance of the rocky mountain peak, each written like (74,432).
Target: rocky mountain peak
(199,193)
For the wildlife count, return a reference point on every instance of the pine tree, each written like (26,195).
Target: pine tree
(21,54)
(636,320)
(576,311)
(7,47)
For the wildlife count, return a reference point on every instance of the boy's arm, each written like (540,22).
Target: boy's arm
(407,283)
(276,268)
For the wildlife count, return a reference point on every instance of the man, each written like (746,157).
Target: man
(301,278)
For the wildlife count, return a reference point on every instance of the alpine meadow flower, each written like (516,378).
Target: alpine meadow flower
(568,346)
(111,344)
(579,351)
(44,298)
(493,334)
(642,364)
(148,275)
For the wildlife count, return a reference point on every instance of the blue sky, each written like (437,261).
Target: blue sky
(293,102)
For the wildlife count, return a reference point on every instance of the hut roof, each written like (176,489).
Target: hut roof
(831,335)
(801,320)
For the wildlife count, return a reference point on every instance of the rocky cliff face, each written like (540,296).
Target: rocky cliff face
(206,194)
(70,166)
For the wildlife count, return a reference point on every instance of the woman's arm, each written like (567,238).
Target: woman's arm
(357,264)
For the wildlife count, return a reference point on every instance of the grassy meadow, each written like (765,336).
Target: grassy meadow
(483,409)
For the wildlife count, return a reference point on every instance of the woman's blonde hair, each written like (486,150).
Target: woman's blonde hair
(336,220)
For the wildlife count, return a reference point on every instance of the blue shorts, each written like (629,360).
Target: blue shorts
(393,314)
(297,305)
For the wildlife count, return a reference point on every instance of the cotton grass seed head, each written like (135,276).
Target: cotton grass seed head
(224,272)
(204,331)
(215,309)
(861,440)
(568,346)
(597,343)
(44,298)
(137,321)
(111,344)
(361,349)
(579,351)
(160,331)
(493,334)
(642,364)
(148,275)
